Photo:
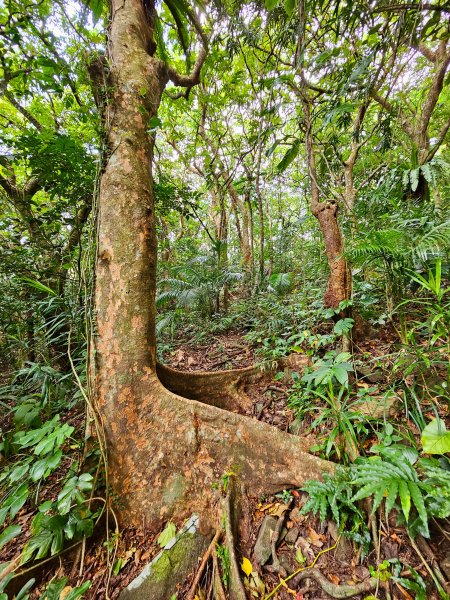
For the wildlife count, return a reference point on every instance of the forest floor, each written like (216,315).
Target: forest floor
(111,564)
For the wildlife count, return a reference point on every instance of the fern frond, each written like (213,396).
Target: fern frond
(434,241)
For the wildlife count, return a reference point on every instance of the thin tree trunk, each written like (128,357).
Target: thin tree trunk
(339,281)
(260,213)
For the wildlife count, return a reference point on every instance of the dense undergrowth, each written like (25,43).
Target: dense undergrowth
(392,457)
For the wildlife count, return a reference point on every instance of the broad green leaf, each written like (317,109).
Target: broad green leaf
(289,6)
(343,326)
(167,534)
(44,466)
(39,286)
(289,156)
(14,502)
(435,438)
(9,534)
(78,591)
(271,4)
(414,178)
(405,498)
(72,492)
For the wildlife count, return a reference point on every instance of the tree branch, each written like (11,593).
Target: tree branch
(440,138)
(442,62)
(407,126)
(188,81)
(420,7)
(22,110)
(425,51)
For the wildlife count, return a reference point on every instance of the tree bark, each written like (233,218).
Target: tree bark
(164,451)
(339,280)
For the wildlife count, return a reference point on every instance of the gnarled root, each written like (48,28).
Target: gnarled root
(169,452)
(206,556)
(337,591)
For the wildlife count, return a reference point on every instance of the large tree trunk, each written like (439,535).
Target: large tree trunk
(164,451)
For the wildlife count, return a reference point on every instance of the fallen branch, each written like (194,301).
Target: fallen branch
(427,567)
(425,548)
(198,575)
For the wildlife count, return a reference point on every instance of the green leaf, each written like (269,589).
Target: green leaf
(343,326)
(54,589)
(48,536)
(154,123)
(341,374)
(9,534)
(39,286)
(419,503)
(44,466)
(405,498)
(97,9)
(72,492)
(23,593)
(18,472)
(78,591)
(289,6)
(167,534)
(435,437)
(271,4)
(414,179)
(14,502)
(289,156)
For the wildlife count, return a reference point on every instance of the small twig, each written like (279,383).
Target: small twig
(425,548)
(426,565)
(441,529)
(198,575)
(39,564)
(83,551)
(10,568)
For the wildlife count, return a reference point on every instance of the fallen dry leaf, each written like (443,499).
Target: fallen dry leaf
(278,509)
(315,538)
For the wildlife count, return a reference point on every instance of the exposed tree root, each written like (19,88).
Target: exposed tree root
(338,591)
(218,587)
(223,389)
(206,556)
(172,472)
(237,590)
(276,537)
